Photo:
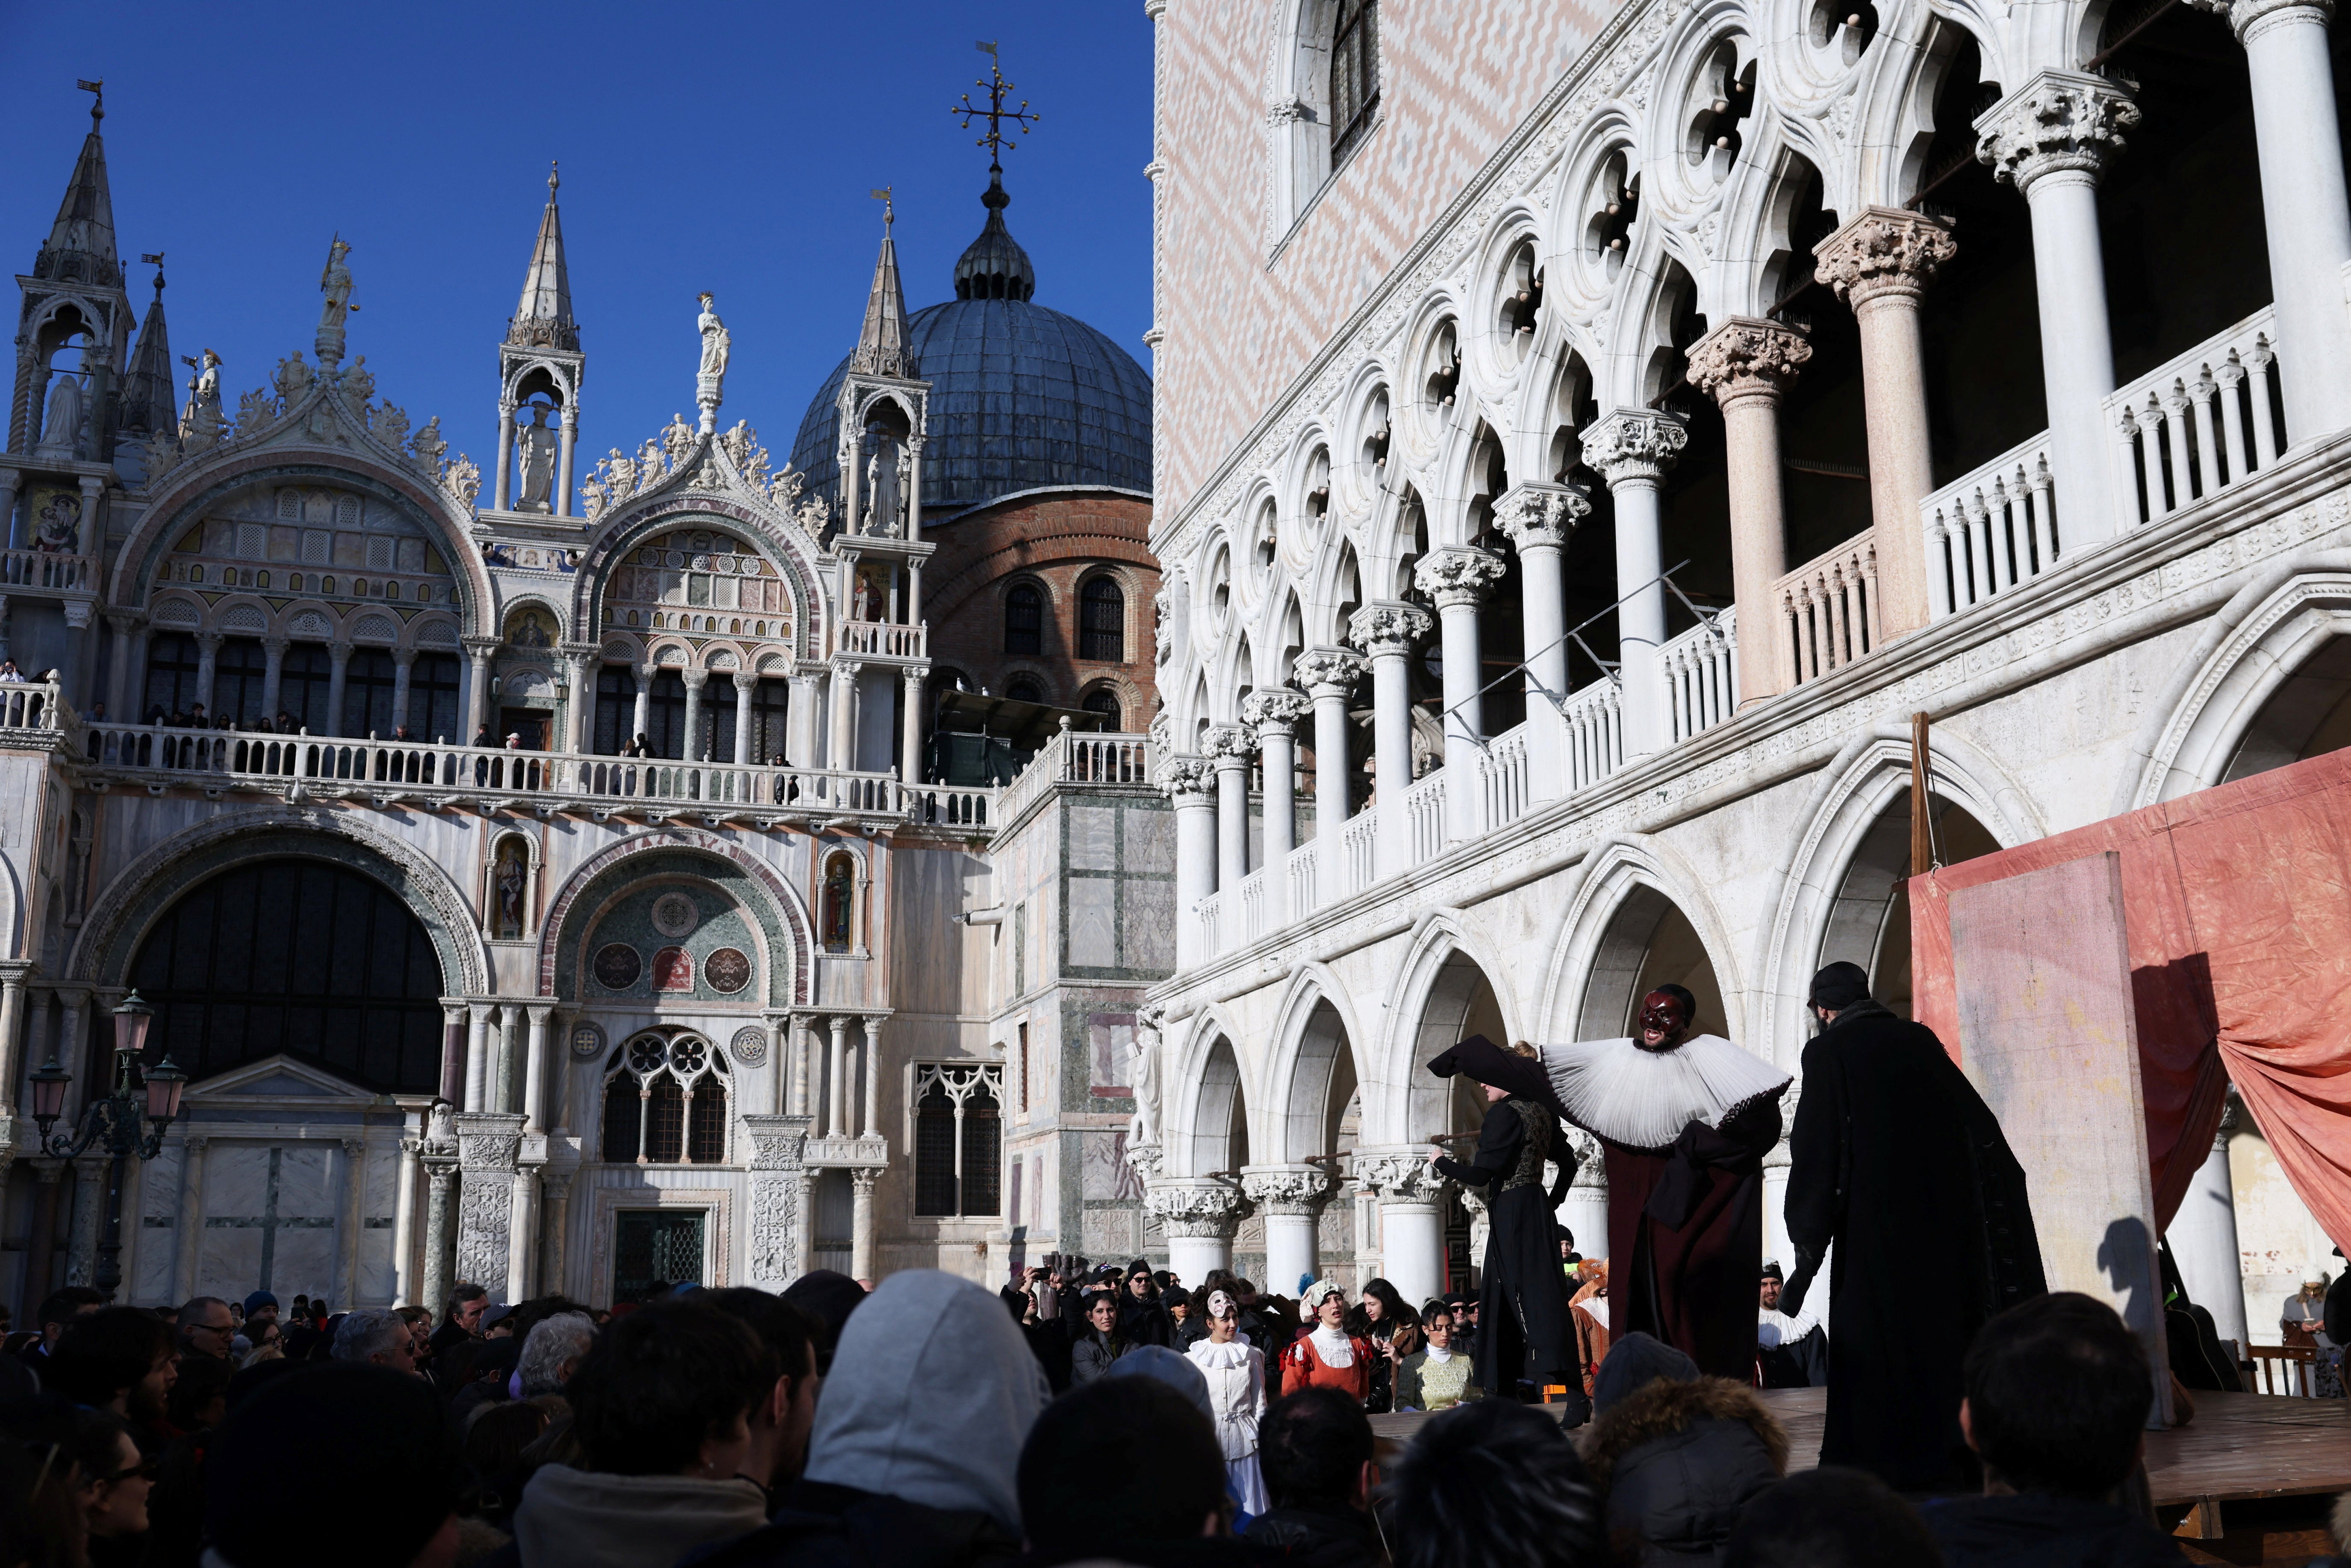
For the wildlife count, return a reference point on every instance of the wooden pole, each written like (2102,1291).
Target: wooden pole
(1922,821)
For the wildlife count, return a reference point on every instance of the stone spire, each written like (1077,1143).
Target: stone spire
(147,391)
(543,319)
(81,243)
(881,342)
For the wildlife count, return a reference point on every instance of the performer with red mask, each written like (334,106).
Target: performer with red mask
(1683,1121)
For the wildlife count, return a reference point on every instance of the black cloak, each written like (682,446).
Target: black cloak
(1896,1158)
(1524,1332)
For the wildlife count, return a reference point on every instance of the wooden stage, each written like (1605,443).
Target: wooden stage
(2220,1478)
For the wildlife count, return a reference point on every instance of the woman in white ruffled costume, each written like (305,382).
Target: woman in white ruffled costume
(1235,1373)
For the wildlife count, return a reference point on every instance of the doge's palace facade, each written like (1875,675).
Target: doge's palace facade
(1587,439)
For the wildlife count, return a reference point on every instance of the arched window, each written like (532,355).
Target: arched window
(665,715)
(616,708)
(958,1144)
(840,904)
(1103,701)
(1024,619)
(1355,74)
(306,675)
(299,957)
(665,1103)
(1024,689)
(171,673)
(432,707)
(240,670)
(1102,621)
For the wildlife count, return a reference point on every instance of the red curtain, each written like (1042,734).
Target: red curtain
(2237,905)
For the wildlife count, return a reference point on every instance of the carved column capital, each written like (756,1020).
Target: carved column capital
(1398,1176)
(1747,357)
(1459,575)
(1328,672)
(1185,777)
(1388,628)
(2056,122)
(1539,513)
(1634,446)
(861,1180)
(1231,745)
(2248,16)
(1195,1211)
(1287,1189)
(694,680)
(1884,250)
(1273,711)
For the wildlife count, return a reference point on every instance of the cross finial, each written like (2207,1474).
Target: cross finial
(1023,117)
(97,89)
(888,216)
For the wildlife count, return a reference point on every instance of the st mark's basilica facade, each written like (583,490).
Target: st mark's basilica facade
(566,874)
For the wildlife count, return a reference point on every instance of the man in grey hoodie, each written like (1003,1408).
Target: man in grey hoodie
(914,1459)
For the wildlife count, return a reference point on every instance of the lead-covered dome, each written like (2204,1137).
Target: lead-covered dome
(1023,397)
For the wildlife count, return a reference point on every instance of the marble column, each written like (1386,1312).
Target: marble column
(1273,715)
(522,1237)
(404,1228)
(1289,1199)
(1745,365)
(338,667)
(556,1190)
(1459,578)
(840,747)
(1386,632)
(1539,519)
(1190,783)
(89,1221)
(479,651)
(501,488)
(12,1031)
(836,1119)
(207,663)
(869,1031)
(534,1093)
(1329,676)
(2203,1236)
(580,721)
(190,1218)
(2049,139)
(698,749)
(273,673)
(507,1074)
(746,683)
(1231,746)
(799,719)
(2304,206)
(1880,265)
(403,669)
(73,1050)
(441,1180)
(1585,1212)
(567,471)
(1412,1218)
(861,1220)
(640,721)
(1631,449)
(1198,1217)
(121,689)
(910,726)
(350,1220)
(477,1058)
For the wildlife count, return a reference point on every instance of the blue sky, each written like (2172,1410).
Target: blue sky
(727,147)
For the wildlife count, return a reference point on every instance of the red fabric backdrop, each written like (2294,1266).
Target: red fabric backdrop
(2237,905)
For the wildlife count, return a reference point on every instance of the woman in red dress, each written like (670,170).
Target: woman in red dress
(1327,1356)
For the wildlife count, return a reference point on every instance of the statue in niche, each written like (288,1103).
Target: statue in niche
(531,629)
(885,505)
(535,449)
(839,889)
(866,603)
(1145,1128)
(510,882)
(335,283)
(715,342)
(63,426)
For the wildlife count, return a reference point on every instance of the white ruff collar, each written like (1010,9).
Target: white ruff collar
(1642,1099)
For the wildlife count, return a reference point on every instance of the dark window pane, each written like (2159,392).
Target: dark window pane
(706,1137)
(1024,620)
(934,1172)
(622,1111)
(665,1122)
(1101,623)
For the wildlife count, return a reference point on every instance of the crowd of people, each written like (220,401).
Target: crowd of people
(932,1424)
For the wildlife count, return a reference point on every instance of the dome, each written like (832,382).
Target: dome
(1023,397)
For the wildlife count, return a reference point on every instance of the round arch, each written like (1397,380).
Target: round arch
(1444,993)
(1313,1069)
(625,528)
(1611,927)
(782,919)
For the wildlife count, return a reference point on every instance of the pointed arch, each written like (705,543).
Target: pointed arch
(1315,1065)
(1448,973)
(1593,964)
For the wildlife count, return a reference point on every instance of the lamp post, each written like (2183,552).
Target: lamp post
(117,1123)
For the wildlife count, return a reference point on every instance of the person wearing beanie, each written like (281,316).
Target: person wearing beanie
(1896,1159)
(347,1463)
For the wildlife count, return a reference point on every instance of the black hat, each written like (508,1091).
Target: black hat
(1771,1272)
(1838,986)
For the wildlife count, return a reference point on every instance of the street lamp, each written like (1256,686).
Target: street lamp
(119,1122)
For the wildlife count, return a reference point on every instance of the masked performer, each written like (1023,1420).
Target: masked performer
(1683,1121)
(1896,1159)
(1524,1332)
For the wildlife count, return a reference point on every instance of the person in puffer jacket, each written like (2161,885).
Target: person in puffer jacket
(1678,1457)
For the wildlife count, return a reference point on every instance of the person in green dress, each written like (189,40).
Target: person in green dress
(1437,1377)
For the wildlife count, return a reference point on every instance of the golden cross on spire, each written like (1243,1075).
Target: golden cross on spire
(1023,117)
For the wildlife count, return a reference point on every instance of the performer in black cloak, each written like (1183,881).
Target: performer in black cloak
(1896,1158)
(1523,1328)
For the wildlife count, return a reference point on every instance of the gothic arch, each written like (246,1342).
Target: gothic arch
(187,492)
(1853,792)
(2247,652)
(625,527)
(130,904)
(1315,1035)
(1434,991)
(1181,1136)
(1591,973)
(782,919)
